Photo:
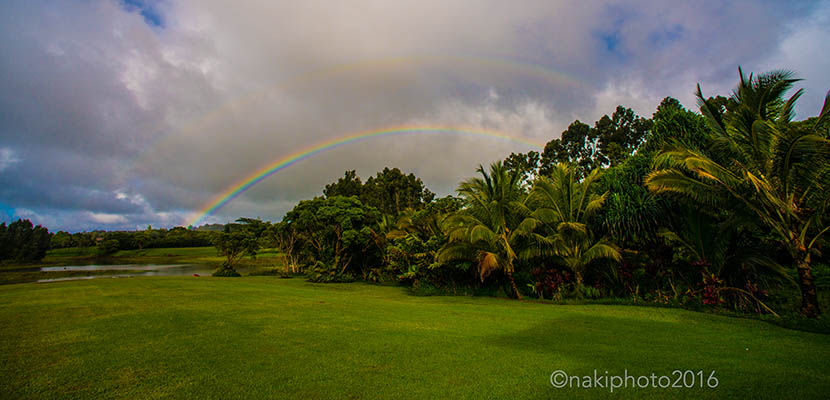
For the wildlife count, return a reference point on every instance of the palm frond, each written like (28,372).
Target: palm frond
(824,115)
(595,203)
(788,110)
(675,237)
(601,250)
(675,181)
(458,251)
(487,263)
(481,233)
(572,227)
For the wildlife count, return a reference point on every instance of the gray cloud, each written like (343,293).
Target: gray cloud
(110,120)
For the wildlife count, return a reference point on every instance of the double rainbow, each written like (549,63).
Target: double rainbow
(272,168)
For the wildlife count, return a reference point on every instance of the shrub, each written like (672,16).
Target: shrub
(108,247)
(275,271)
(322,273)
(225,270)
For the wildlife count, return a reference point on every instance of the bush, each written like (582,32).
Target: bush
(225,270)
(276,271)
(321,273)
(108,247)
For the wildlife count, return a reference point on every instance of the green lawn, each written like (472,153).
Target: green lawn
(265,337)
(157,252)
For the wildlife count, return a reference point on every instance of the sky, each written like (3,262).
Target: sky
(118,114)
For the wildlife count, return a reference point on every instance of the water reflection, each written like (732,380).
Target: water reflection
(134,270)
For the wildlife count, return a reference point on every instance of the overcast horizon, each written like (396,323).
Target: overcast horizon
(119,114)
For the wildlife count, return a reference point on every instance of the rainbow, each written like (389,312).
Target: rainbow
(272,168)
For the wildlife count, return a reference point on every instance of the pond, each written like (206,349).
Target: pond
(129,270)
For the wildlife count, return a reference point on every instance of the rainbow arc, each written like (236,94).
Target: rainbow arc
(272,168)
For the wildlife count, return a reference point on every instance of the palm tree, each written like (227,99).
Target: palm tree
(564,204)
(715,245)
(777,170)
(491,226)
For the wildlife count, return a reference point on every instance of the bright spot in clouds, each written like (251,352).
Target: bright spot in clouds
(107,219)
(7,158)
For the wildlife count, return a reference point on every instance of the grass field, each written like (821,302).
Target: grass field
(264,337)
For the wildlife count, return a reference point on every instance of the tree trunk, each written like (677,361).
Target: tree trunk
(809,301)
(578,278)
(345,264)
(513,285)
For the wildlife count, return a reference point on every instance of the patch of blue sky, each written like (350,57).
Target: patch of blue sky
(611,40)
(664,38)
(6,213)
(610,37)
(147,9)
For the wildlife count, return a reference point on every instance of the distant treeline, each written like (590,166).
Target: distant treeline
(135,240)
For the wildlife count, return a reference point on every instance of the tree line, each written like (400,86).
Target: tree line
(725,207)
(23,242)
(108,242)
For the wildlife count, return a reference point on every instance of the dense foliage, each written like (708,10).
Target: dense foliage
(762,165)
(390,191)
(725,208)
(136,240)
(336,235)
(20,241)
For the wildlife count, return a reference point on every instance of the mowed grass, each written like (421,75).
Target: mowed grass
(152,252)
(163,255)
(265,337)
(192,252)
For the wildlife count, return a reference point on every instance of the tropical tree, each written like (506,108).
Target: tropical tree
(391,191)
(23,242)
(631,216)
(333,231)
(609,142)
(233,246)
(526,164)
(723,246)
(563,204)
(578,145)
(621,134)
(348,185)
(416,239)
(286,238)
(760,161)
(491,226)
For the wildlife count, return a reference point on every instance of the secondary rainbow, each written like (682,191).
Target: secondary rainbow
(503,66)
(272,168)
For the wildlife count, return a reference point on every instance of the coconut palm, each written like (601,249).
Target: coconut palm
(716,245)
(761,162)
(563,204)
(491,227)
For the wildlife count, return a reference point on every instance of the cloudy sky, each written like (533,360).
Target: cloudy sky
(115,114)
